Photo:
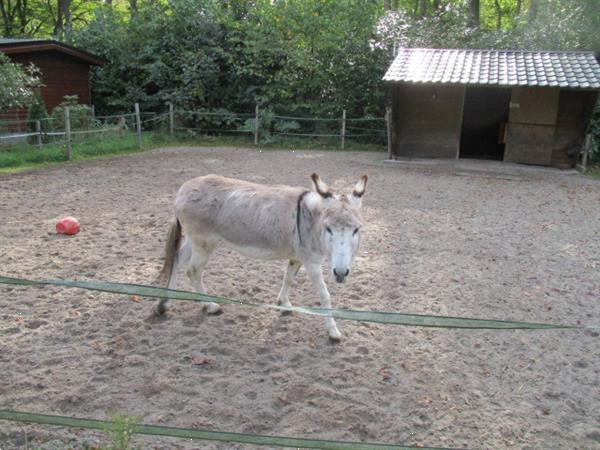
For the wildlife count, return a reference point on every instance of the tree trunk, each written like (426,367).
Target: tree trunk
(6,18)
(474,13)
(533,9)
(59,23)
(387,4)
(22,13)
(66,4)
(133,7)
(63,25)
(498,15)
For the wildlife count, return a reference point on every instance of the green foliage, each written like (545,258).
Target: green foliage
(120,431)
(309,57)
(18,82)
(80,116)
(313,56)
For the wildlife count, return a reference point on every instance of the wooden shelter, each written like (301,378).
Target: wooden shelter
(518,106)
(65,70)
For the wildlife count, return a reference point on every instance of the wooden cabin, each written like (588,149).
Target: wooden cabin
(519,106)
(65,70)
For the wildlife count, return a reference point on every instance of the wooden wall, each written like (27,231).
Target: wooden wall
(545,126)
(574,112)
(426,120)
(62,75)
(531,123)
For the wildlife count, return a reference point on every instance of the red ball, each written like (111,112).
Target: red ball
(67,225)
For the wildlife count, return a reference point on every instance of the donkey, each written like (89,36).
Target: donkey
(305,227)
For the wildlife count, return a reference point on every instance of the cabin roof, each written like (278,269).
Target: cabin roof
(580,70)
(17,46)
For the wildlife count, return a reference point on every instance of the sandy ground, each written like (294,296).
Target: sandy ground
(437,242)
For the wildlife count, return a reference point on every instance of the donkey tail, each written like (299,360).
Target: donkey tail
(171,248)
(166,274)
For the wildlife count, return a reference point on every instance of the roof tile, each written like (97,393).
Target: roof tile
(496,68)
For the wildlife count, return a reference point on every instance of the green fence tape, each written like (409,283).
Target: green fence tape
(391,318)
(209,435)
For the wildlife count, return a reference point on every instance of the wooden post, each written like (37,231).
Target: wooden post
(343,128)
(586,150)
(138,125)
(93,111)
(171,119)
(256,125)
(38,130)
(388,123)
(122,124)
(68,133)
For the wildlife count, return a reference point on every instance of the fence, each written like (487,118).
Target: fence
(391,318)
(261,126)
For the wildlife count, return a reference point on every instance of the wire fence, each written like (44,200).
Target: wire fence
(74,131)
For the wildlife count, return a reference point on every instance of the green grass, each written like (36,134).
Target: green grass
(120,431)
(17,158)
(594,172)
(21,157)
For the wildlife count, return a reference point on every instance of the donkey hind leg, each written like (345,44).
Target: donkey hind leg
(201,252)
(181,258)
(290,272)
(316,277)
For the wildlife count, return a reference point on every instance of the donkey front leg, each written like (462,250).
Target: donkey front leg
(316,277)
(290,272)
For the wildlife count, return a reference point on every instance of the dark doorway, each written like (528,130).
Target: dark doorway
(485,113)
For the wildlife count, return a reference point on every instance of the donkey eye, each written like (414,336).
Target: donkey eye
(355,232)
(329,230)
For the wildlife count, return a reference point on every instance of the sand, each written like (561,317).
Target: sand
(436,242)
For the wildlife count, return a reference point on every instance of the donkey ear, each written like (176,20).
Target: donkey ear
(358,191)
(320,186)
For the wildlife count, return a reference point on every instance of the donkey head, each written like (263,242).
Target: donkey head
(340,223)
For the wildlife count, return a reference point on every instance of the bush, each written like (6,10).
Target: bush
(80,115)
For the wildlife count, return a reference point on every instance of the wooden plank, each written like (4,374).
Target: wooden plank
(534,105)
(68,133)
(460,122)
(427,120)
(388,123)
(138,125)
(529,144)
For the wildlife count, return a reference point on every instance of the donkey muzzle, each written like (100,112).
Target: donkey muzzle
(340,276)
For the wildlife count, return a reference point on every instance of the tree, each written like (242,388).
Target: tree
(18,83)
(474,13)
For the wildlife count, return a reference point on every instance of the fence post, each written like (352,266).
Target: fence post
(256,125)
(343,128)
(93,112)
(388,122)
(68,133)
(171,119)
(138,125)
(586,150)
(38,130)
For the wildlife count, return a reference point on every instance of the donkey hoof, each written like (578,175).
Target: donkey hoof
(286,312)
(160,310)
(212,309)
(335,336)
